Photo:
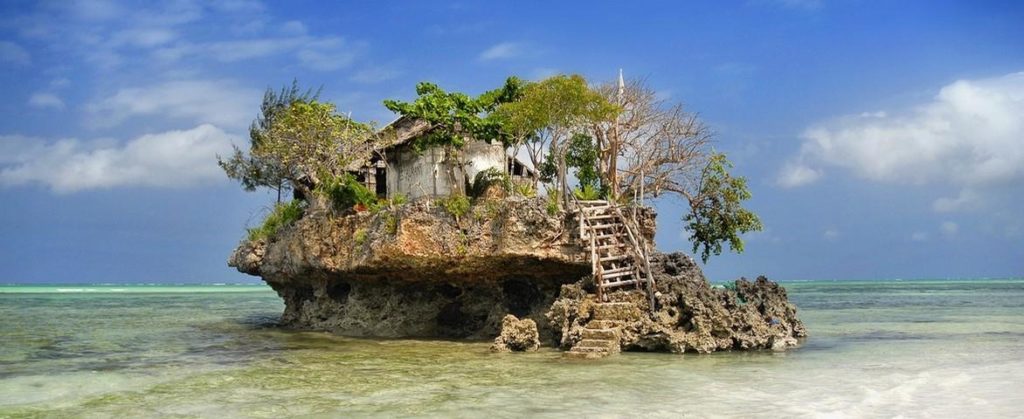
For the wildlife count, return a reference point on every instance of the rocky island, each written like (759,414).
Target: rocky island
(423,229)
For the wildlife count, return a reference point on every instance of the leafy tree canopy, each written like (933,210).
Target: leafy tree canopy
(264,171)
(456,116)
(716,215)
(312,141)
(561,103)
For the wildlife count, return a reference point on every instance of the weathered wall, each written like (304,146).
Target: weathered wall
(426,174)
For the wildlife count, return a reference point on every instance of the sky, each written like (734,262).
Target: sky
(880,139)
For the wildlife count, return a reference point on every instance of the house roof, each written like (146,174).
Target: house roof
(404,130)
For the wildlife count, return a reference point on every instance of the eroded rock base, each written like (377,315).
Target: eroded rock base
(690,314)
(392,309)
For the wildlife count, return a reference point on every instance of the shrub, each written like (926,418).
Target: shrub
(485,179)
(399,199)
(587,193)
(524,189)
(554,201)
(282,215)
(390,222)
(345,192)
(360,236)
(456,205)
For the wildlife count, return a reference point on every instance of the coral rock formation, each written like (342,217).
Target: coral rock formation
(418,271)
(690,315)
(516,336)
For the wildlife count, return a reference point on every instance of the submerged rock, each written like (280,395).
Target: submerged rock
(516,336)
(690,315)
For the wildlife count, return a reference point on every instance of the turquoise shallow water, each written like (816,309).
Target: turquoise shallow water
(877,348)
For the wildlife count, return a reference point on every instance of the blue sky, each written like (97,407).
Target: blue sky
(880,139)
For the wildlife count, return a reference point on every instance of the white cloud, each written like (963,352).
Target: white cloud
(317,53)
(949,228)
(969,137)
(14,53)
(919,236)
(168,159)
(92,9)
(795,174)
(327,54)
(44,100)
(830,234)
(142,37)
(502,51)
(60,83)
(294,27)
(220,102)
(374,75)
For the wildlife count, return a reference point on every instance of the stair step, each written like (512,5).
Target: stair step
(613,258)
(609,236)
(620,311)
(585,355)
(617,273)
(603,324)
(614,284)
(611,246)
(578,348)
(605,344)
(606,334)
(608,273)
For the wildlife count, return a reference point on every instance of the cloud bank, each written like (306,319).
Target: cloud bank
(970,136)
(220,102)
(168,159)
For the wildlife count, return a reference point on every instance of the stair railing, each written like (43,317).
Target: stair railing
(595,265)
(639,246)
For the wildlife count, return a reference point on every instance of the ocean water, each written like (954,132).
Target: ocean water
(951,348)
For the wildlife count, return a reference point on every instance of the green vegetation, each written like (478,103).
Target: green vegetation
(359,237)
(619,140)
(456,205)
(554,199)
(587,193)
(549,114)
(457,116)
(485,179)
(345,191)
(716,215)
(281,216)
(265,171)
(524,189)
(390,222)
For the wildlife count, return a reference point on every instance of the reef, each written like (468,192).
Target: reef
(424,270)
(690,315)
(517,336)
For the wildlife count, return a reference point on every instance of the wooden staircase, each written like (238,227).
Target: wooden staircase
(618,258)
(618,254)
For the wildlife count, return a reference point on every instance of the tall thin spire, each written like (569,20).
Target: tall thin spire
(622,87)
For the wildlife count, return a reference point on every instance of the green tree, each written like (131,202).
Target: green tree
(716,215)
(265,172)
(456,117)
(312,142)
(549,113)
